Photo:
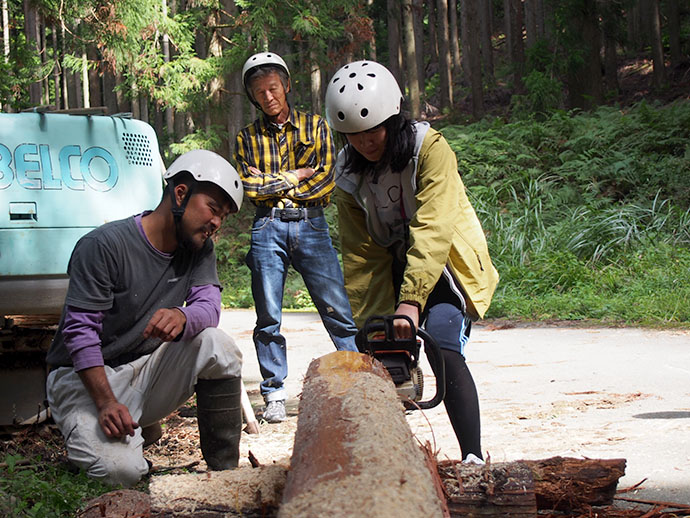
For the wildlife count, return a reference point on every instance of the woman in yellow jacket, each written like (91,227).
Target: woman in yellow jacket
(411,242)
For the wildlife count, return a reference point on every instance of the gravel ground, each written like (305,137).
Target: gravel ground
(544,391)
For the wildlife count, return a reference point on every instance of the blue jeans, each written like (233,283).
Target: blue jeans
(306,245)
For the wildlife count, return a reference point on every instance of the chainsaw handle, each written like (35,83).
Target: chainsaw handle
(385,324)
(438,365)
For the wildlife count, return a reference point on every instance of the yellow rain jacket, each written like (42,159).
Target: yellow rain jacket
(446,237)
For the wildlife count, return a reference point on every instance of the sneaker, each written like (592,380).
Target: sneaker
(275,411)
(473,459)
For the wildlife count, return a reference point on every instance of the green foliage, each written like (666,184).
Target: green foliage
(585,213)
(43,490)
(544,94)
(209,138)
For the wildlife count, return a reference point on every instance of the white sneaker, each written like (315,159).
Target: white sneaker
(275,411)
(473,459)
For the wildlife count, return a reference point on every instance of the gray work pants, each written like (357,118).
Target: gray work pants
(151,387)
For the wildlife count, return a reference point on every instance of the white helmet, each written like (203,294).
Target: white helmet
(262,59)
(207,166)
(360,96)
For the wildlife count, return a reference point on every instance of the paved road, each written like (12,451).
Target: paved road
(546,391)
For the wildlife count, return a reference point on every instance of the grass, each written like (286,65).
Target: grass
(31,487)
(587,216)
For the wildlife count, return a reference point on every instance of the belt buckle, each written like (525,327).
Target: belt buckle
(291,214)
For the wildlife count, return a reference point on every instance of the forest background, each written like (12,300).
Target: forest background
(570,119)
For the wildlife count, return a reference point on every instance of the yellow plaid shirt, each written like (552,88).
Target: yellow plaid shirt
(303,141)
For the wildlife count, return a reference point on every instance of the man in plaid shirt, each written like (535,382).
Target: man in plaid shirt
(285,159)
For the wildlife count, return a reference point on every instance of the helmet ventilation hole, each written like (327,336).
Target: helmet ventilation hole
(353,74)
(370,74)
(359,87)
(364,112)
(342,89)
(341,116)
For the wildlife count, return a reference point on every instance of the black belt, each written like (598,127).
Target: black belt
(289,213)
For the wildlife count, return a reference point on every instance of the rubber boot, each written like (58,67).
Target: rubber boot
(219,415)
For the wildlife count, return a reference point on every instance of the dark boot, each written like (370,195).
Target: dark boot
(219,414)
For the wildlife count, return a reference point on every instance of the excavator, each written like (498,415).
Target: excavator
(62,174)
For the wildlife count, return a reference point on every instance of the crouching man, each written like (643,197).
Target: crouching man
(138,332)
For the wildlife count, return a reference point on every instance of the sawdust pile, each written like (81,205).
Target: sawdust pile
(354,453)
(239,490)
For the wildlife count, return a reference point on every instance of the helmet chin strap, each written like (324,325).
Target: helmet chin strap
(178,210)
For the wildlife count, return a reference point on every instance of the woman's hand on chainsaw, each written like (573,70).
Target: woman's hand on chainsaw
(402,326)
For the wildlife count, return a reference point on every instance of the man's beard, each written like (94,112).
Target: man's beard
(185,240)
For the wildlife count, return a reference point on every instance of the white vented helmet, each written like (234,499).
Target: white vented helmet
(207,166)
(360,96)
(261,59)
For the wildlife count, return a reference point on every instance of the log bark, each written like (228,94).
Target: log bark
(354,452)
(521,488)
(500,489)
(564,483)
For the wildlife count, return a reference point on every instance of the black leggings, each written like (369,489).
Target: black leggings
(447,324)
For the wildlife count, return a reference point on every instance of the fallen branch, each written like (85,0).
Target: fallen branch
(166,469)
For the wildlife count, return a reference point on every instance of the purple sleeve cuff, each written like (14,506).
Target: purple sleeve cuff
(81,333)
(202,309)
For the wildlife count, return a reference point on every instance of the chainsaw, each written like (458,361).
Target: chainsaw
(400,357)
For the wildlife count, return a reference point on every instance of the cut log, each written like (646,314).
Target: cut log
(247,492)
(354,453)
(521,488)
(493,490)
(564,483)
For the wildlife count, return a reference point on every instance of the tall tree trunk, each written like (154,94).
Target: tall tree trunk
(165,46)
(95,90)
(6,46)
(315,73)
(109,94)
(634,28)
(418,18)
(411,58)
(432,39)
(134,101)
(45,88)
(473,53)
(454,35)
(585,83)
(394,44)
(464,36)
(372,43)
(530,23)
(215,110)
(659,68)
(235,112)
(609,17)
(673,16)
(485,17)
(144,107)
(64,75)
(6,31)
(86,87)
(31,31)
(77,89)
(444,60)
(514,23)
(56,67)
